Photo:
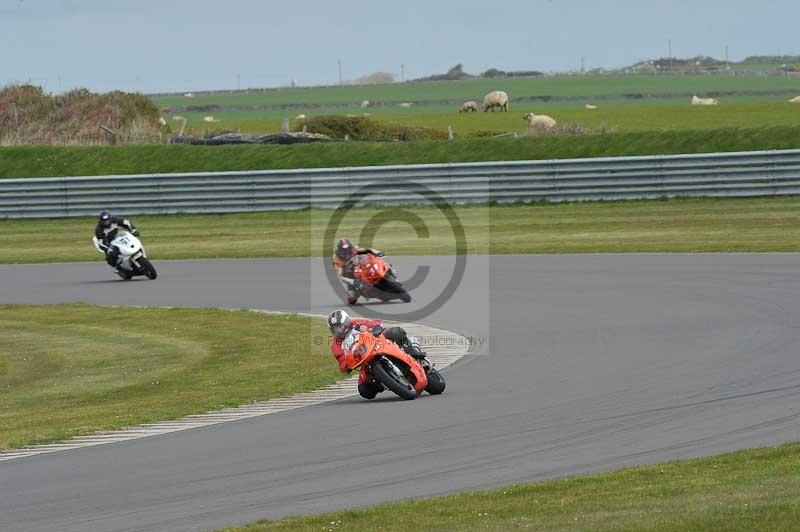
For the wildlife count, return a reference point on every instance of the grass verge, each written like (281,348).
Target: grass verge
(679,225)
(50,161)
(67,370)
(744,491)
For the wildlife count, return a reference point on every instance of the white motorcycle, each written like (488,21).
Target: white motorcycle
(132,259)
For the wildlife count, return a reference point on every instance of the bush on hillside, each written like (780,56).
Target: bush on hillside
(455,73)
(377,78)
(30,116)
(493,73)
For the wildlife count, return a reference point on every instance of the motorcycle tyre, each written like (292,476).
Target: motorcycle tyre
(436,383)
(392,287)
(147,268)
(402,389)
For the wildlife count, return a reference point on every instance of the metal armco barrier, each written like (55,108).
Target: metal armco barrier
(739,174)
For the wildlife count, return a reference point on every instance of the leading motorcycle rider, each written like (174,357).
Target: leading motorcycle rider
(106,231)
(346,250)
(340,323)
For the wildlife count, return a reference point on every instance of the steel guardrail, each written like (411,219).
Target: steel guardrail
(736,174)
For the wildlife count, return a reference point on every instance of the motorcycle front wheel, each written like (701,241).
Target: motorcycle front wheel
(386,372)
(148,268)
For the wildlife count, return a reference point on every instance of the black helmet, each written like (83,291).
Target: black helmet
(339,323)
(105,218)
(345,249)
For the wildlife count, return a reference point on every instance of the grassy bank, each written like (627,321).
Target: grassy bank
(681,225)
(67,370)
(41,161)
(745,491)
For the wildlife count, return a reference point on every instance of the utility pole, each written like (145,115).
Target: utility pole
(339,61)
(727,66)
(402,72)
(583,64)
(238,82)
(669,56)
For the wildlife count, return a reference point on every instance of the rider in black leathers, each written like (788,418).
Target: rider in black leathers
(106,231)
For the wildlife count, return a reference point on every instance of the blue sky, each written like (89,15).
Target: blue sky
(177,45)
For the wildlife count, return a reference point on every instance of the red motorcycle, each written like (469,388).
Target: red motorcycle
(374,278)
(391,366)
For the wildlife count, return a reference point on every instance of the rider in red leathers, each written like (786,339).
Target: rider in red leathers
(341,324)
(346,250)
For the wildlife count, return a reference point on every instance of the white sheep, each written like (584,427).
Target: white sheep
(365,104)
(466,107)
(406,105)
(590,106)
(188,95)
(796,99)
(161,121)
(209,119)
(495,99)
(300,117)
(539,121)
(704,101)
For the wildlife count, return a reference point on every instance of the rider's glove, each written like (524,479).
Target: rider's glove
(377,330)
(136,232)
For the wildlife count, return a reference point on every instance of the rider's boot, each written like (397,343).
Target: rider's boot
(416,348)
(112,256)
(352,297)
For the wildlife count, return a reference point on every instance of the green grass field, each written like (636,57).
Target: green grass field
(268,116)
(554,86)
(626,103)
(613,116)
(54,161)
(739,492)
(67,370)
(681,225)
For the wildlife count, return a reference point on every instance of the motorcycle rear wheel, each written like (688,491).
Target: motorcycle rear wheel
(436,383)
(390,286)
(396,383)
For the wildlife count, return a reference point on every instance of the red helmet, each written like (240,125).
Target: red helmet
(345,249)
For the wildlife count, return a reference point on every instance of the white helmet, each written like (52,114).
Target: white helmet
(339,323)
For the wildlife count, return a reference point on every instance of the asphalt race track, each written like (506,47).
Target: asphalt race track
(593,362)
